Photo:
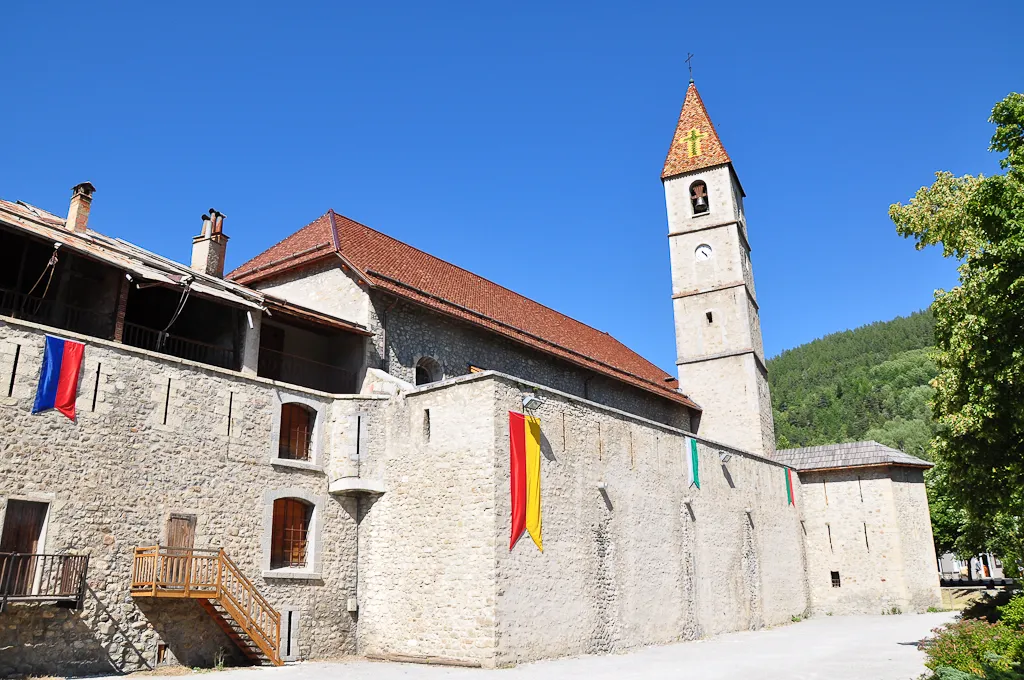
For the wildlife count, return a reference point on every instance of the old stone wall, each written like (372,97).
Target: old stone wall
(648,559)
(913,519)
(426,552)
(856,524)
(325,288)
(155,436)
(413,333)
(732,400)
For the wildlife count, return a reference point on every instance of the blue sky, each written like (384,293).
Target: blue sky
(521,141)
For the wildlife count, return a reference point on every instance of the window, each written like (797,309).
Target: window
(296,437)
(428,371)
(699,198)
(289,537)
(835,579)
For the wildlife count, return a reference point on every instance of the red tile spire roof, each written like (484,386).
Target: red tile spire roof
(695,144)
(387,264)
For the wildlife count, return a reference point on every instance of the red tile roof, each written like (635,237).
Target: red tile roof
(388,264)
(695,144)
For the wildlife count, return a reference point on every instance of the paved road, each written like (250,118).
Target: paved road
(823,648)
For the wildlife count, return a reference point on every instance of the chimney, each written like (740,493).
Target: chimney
(78,213)
(209,247)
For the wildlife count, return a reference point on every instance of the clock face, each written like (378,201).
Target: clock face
(703,253)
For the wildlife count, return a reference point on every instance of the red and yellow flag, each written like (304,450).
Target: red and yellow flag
(524,437)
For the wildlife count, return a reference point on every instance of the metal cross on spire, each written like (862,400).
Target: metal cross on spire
(689,56)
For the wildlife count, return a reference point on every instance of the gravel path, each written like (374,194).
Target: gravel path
(832,648)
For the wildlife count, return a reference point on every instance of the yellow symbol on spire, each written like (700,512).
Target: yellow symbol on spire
(692,140)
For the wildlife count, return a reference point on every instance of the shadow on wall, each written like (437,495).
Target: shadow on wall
(545,447)
(191,636)
(42,639)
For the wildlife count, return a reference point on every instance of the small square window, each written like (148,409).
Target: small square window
(835,579)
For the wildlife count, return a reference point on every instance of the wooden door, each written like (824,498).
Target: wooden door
(181,536)
(23,529)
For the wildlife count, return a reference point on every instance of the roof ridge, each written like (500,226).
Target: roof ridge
(482,278)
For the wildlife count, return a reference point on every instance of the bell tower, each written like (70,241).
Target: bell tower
(718,329)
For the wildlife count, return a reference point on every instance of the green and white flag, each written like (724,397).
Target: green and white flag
(692,463)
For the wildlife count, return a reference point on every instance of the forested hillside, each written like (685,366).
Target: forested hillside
(868,383)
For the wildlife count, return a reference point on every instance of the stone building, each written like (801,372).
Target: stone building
(310,456)
(867,533)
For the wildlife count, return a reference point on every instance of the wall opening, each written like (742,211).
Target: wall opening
(426,424)
(297,422)
(836,583)
(828,527)
(289,537)
(699,198)
(709,316)
(428,371)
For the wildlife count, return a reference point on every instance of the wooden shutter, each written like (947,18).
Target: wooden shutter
(289,536)
(296,431)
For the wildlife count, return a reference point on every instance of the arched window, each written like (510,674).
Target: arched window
(297,421)
(699,197)
(428,371)
(290,534)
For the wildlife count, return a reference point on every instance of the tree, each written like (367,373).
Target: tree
(979,391)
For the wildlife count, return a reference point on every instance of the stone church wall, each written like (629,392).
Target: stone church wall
(413,332)
(113,478)
(858,524)
(647,560)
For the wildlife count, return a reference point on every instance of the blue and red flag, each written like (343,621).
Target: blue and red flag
(58,379)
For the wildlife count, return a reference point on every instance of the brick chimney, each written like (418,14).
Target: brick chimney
(81,201)
(209,247)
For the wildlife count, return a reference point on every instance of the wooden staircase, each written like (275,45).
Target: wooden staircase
(212,578)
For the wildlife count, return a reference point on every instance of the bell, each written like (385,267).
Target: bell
(701,205)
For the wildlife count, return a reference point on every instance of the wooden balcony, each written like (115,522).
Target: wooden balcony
(43,578)
(212,578)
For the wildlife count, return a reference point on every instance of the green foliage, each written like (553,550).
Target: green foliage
(973,646)
(987,607)
(989,672)
(868,383)
(1012,613)
(979,390)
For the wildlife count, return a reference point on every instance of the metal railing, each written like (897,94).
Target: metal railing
(298,370)
(59,315)
(39,577)
(177,346)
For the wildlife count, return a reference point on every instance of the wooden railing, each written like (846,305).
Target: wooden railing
(38,577)
(177,346)
(159,571)
(297,370)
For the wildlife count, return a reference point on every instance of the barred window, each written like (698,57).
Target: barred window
(297,423)
(289,539)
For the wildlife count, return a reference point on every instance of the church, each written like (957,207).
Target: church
(347,446)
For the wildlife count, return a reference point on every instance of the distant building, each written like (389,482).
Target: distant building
(311,457)
(867,531)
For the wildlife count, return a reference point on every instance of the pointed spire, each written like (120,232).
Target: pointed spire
(696,144)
